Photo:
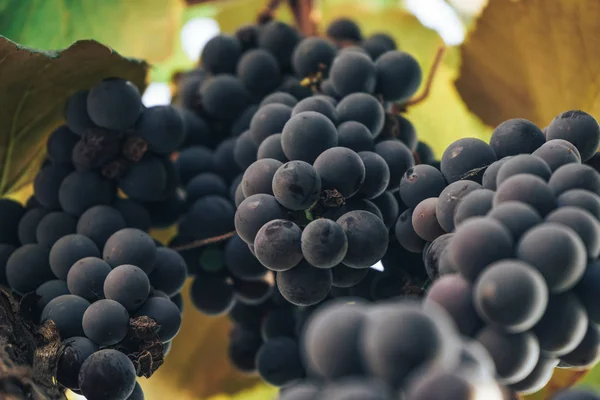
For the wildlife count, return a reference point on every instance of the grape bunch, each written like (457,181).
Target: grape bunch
(510,235)
(78,255)
(394,349)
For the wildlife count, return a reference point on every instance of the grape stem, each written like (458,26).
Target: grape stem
(304,14)
(428,84)
(203,242)
(268,13)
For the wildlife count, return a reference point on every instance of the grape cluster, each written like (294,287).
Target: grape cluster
(510,235)
(79,255)
(394,349)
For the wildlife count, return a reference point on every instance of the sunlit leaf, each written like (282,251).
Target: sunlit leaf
(532,59)
(35,85)
(139,28)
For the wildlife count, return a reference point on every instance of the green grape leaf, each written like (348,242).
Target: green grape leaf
(143,29)
(532,59)
(35,86)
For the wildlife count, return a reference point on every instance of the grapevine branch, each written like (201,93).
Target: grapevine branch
(203,242)
(268,13)
(396,108)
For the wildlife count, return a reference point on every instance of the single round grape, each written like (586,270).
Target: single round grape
(27,268)
(363,108)
(516,136)
(583,223)
(46,185)
(105,322)
(76,350)
(583,199)
(54,226)
(377,175)
(557,153)
(587,352)
(99,223)
(114,104)
(511,294)
(523,164)
(86,278)
(355,136)
(475,204)
(240,261)
(575,176)
(419,183)
(224,97)
(205,184)
(170,271)
(81,190)
(515,355)
(76,113)
(398,157)
(278,361)
(166,315)
(296,185)
(28,225)
(478,242)
(278,245)
(398,76)
(60,145)
(107,374)
(306,135)
(269,120)
(579,128)
(280,40)
(128,285)
(220,55)
(259,71)
(313,55)
(304,285)
(244,344)
(563,326)
(467,159)
(367,238)
(254,212)
(455,294)
(344,29)
(331,340)
(528,189)
(352,72)
(424,220)
(341,169)
(66,312)
(436,257)
(130,246)
(517,217)
(449,199)
(258,178)
(212,295)
(324,243)
(488,181)
(319,104)
(271,148)
(557,252)
(162,127)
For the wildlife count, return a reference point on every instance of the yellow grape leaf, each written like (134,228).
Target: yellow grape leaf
(532,59)
(197,366)
(35,86)
(139,28)
(442,117)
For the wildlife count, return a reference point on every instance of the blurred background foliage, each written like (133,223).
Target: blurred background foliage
(492,71)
